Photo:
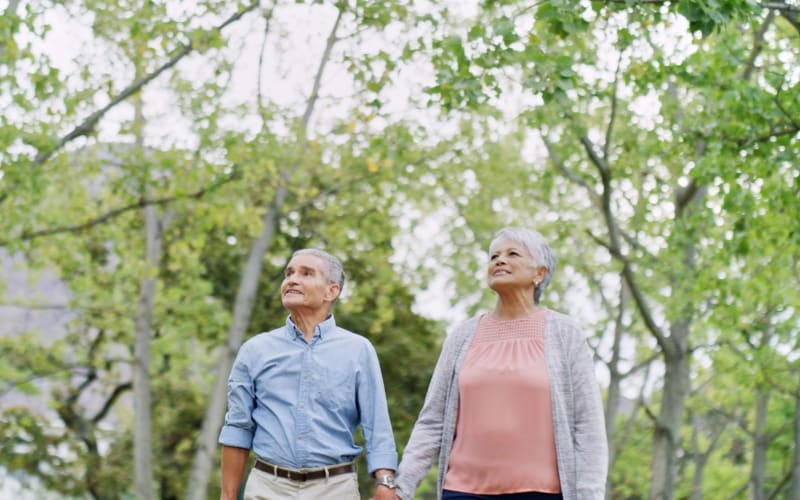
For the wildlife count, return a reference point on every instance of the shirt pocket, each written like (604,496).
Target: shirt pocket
(338,389)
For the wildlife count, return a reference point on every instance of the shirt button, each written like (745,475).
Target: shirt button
(305,375)
(300,436)
(301,405)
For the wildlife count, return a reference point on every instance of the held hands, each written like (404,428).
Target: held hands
(384,493)
(385,485)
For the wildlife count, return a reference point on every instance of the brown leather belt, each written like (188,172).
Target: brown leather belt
(296,475)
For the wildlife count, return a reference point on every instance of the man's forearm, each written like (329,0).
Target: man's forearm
(234,461)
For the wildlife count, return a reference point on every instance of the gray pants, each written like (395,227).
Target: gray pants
(265,486)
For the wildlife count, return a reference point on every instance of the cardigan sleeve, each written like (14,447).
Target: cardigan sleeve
(591,443)
(425,442)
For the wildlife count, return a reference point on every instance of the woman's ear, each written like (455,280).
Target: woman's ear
(541,272)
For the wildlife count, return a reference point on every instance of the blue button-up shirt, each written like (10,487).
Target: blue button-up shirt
(297,404)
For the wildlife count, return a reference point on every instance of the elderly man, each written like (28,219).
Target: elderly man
(297,394)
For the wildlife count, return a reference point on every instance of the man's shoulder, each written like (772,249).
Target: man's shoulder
(266,337)
(350,336)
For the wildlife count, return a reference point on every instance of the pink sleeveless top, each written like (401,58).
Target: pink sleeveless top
(504,431)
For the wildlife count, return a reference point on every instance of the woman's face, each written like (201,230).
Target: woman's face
(511,265)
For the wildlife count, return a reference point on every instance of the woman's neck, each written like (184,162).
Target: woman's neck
(515,306)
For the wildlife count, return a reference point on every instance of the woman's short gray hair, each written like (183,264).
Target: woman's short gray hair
(536,244)
(333,266)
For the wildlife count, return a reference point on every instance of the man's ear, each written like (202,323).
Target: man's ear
(332,292)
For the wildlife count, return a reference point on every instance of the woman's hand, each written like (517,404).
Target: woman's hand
(384,493)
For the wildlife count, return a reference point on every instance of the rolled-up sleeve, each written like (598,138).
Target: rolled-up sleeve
(239,427)
(375,422)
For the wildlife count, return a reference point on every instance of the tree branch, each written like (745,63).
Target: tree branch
(781,6)
(758,45)
(87,126)
(259,97)
(784,112)
(612,117)
(568,173)
(640,366)
(683,196)
(615,247)
(326,55)
(784,480)
(114,213)
(112,398)
(636,292)
(765,5)
(794,20)
(598,161)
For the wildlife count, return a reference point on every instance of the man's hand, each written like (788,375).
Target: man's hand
(234,461)
(384,493)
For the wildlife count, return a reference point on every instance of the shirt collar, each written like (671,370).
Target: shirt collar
(322,329)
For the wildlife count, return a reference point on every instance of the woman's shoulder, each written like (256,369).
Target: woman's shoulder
(560,317)
(466,327)
(462,330)
(564,325)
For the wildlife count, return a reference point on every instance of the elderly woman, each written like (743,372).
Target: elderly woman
(513,410)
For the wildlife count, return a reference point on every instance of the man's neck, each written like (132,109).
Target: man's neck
(307,321)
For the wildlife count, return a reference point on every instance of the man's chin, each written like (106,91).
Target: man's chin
(291,302)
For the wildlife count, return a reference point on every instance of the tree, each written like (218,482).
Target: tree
(202,190)
(649,181)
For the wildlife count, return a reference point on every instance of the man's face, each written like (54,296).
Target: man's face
(306,286)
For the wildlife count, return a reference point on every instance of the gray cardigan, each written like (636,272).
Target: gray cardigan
(579,429)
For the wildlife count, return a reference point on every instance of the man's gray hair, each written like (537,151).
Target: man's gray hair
(333,266)
(536,244)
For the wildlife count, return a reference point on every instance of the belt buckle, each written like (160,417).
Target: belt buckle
(296,475)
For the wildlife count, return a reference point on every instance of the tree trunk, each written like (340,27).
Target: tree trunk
(614,384)
(760,447)
(142,433)
(703,425)
(142,398)
(795,490)
(243,306)
(666,440)
(700,461)
(242,311)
